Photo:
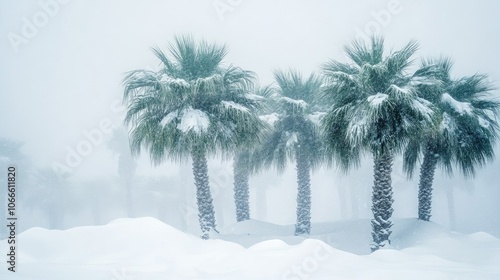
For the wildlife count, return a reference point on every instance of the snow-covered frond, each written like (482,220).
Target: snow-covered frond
(193,120)
(483,123)
(295,104)
(425,80)
(291,139)
(175,83)
(169,118)
(210,84)
(424,107)
(457,106)
(235,106)
(377,99)
(271,119)
(254,97)
(447,124)
(316,117)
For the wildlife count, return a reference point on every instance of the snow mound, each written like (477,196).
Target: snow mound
(146,248)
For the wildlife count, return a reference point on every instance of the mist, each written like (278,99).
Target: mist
(61,86)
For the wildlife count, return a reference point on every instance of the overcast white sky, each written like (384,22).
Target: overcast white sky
(65,78)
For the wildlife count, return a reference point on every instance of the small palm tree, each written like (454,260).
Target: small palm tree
(119,144)
(465,134)
(376,109)
(295,136)
(192,107)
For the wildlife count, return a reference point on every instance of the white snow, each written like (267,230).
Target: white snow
(233,105)
(252,96)
(292,139)
(145,248)
(405,90)
(176,82)
(193,120)
(169,118)
(459,107)
(424,106)
(377,99)
(270,118)
(299,103)
(483,123)
(316,117)
(447,123)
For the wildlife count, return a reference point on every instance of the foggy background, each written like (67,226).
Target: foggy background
(66,79)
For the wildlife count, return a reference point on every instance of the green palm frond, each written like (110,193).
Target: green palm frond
(375,104)
(192,103)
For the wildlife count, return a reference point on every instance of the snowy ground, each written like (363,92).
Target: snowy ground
(145,248)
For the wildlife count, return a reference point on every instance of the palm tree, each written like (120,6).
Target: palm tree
(246,161)
(192,107)
(465,134)
(295,136)
(119,144)
(376,109)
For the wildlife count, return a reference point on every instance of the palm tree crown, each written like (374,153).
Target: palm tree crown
(191,103)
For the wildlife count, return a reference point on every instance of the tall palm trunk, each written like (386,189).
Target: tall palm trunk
(382,201)
(241,192)
(303,225)
(425,185)
(204,199)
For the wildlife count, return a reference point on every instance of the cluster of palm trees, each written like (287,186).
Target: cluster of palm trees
(196,107)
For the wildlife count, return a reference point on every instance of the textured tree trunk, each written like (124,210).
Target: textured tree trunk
(241,191)
(382,201)
(204,199)
(425,185)
(303,225)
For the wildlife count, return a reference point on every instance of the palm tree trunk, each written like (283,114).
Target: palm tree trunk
(241,192)
(382,201)
(303,225)
(425,185)
(204,199)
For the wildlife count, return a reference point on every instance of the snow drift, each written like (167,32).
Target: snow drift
(145,248)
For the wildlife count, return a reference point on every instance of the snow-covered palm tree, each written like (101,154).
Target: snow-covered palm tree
(295,136)
(246,159)
(465,134)
(376,109)
(192,107)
